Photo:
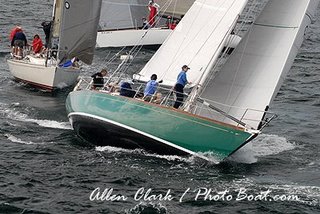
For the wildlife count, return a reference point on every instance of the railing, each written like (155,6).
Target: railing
(167,97)
(48,55)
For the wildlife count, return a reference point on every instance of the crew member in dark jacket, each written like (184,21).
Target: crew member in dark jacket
(98,80)
(18,42)
(46,26)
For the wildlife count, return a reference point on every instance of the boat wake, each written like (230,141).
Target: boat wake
(18,140)
(110,149)
(13,114)
(263,145)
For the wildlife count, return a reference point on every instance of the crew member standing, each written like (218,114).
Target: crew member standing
(153,8)
(46,26)
(181,83)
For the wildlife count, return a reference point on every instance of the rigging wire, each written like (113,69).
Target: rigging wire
(174,59)
(137,48)
(237,30)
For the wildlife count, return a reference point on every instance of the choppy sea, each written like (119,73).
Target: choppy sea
(45,168)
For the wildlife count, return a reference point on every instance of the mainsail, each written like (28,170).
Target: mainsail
(122,14)
(252,76)
(197,41)
(78,30)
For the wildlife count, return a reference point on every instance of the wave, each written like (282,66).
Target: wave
(18,140)
(110,149)
(263,145)
(13,114)
(309,195)
(150,207)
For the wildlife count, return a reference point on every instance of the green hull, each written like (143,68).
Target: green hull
(172,128)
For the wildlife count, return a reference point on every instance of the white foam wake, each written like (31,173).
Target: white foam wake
(11,113)
(111,149)
(263,145)
(18,140)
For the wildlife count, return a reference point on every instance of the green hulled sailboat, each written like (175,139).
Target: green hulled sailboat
(224,109)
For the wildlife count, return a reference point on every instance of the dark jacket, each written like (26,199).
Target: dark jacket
(98,80)
(126,90)
(19,36)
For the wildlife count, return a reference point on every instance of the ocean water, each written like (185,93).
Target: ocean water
(45,168)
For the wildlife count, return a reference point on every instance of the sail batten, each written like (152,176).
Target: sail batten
(252,76)
(196,41)
(78,30)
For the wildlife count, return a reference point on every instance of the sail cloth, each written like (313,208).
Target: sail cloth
(122,14)
(252,76)
(197,41)
(79,24)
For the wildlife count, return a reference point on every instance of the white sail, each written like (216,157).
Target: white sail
(197,41)
(252,76)
(78,30)
(122,14)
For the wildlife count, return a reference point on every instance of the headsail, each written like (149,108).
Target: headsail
(121,14)
(79,29)
(252,76)
(197,41)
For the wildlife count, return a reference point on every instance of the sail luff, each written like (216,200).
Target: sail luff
(254,73)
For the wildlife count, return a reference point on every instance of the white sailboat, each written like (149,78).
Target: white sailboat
(74,31)
(226,108)
(121,22)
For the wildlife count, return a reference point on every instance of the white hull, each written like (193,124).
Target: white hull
(40,76)
(132,37)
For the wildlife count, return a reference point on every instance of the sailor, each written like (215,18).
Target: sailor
(46,26)
(151,87)
(18,42)
(153,8)
(126,90)
(179,86)
(37,44)
(97,78)
(145,23)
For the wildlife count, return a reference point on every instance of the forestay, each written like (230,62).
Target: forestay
(79,25)
(122,14)
(197,41)
(252,76)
